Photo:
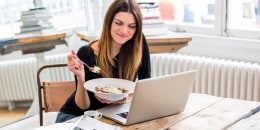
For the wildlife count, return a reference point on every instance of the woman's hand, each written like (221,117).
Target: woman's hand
(75,66)
(122,101)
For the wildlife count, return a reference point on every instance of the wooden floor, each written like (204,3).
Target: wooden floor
(10,116)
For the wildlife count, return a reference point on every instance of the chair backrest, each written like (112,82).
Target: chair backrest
(54,93)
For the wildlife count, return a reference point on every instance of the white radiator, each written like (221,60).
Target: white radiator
(57,74)
(17,80)
(217,77)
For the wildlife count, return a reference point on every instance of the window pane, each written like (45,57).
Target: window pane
(200,13)
(10,15)
(244,14)
(66,13)
(166,8)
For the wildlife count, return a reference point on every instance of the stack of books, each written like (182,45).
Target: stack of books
(150,9)
(152,23)
(36,20)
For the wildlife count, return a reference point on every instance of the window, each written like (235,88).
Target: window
(66,14)
(190,12)
(245,14)
(244,18)
(189,15)
(10,14)
(213,17)
(231,18)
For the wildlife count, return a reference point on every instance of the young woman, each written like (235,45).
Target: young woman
(120,52)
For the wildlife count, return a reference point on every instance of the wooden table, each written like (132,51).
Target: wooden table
(250,123)
(202,112)
(167,43)
(32,43)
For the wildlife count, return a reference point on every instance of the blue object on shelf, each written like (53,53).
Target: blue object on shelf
(9,41)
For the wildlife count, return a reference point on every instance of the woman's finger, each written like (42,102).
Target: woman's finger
(72,55)
(122,101)
(73,52)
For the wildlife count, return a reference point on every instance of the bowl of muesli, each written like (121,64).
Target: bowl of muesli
(112,89)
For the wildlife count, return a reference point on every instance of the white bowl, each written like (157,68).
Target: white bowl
(112,82)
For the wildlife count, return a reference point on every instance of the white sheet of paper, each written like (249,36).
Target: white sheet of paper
(88,123)
(57,126)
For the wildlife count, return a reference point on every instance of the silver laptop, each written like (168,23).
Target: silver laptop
(153,98)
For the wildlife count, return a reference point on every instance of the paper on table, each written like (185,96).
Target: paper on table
(88,123)
(57,126)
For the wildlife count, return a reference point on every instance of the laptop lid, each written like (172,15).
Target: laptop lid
(154,98)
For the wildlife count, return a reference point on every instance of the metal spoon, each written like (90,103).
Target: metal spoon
(94,69)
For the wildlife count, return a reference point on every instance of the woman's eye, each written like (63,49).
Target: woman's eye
(118,23)
(132,27)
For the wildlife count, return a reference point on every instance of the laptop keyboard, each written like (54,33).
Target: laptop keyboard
(124,114)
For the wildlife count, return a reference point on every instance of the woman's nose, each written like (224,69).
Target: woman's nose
(124,29)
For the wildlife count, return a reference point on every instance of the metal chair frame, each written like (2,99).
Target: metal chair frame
(42,87)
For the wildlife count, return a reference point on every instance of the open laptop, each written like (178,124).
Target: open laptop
(153,98)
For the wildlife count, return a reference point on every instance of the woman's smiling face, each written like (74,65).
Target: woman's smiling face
(123,27)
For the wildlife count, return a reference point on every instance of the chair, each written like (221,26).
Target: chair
(54,93)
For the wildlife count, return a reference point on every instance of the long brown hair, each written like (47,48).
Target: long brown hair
(130,54)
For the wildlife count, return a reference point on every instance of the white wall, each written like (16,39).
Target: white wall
(222,47)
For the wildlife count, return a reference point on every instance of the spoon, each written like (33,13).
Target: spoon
(94,69)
